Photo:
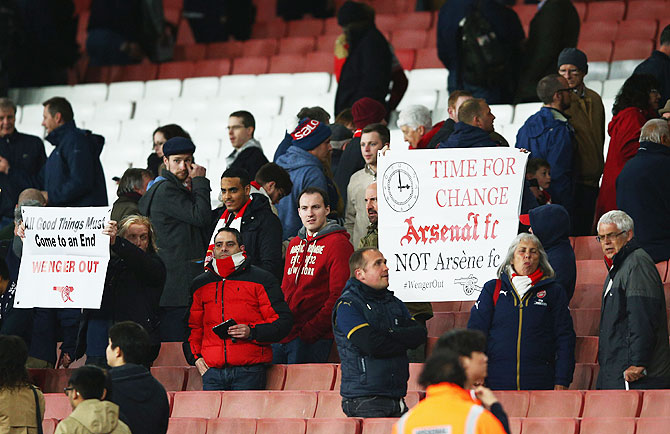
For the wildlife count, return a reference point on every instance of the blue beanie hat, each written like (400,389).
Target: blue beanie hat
(309,134)
(178,145)
(573,56)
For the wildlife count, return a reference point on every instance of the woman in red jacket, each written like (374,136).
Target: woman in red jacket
(635,104)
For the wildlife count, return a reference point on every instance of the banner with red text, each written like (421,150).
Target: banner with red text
(65,258)
(447,218)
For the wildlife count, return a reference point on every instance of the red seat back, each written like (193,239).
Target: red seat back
(612,403)
(196,404)
(565,403)
(607,425)
(315,376)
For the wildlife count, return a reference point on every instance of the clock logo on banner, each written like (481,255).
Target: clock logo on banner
(401,186)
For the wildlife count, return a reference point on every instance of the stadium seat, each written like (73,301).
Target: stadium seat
(180,70)
(414,20)
(162,89)
(193,379)
(283,425)
(652,425)
(446,306)
(91,92)
(212,68)
(319,61)
(49,425)
(525,110)
(591,271)
(565,403)
(587,296)
(338,374)
(231,425)
(315,82)
(587,247)
(173,378)
(586,349)
(298,45)
(406,58)
(197,404)
(648,10)
(597,31)
(586,322)
(305,27)
(259,48)
(55,380)
(378,426)
(386,22)
(662,268)
(637,29)
(329,404)
(326,43)
(606,11)
(191,425)
(504,113)
(461,319)
(515,402)
(599,71)
(126,91)
(581,11)
(408,39)
(428,79)
(271,29)
(611,87)
(340,425)
(514,425)
(56,405)
(466,306)
(185,34)
(607,425)
(582,378)
(276,377)
(331,27)
(141,72)
(287,63)
(553,425)
(424,97)
(266,10)
(612,403)
(312,376)
(300,404)
(228,50)
(414,373)
(655,403)
(250,65)
(200,87)
(153,109)
(632,49)
(440,323)
(190,52)
(427,58)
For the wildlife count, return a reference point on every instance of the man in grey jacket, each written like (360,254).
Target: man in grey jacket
(181,214)
(633,349)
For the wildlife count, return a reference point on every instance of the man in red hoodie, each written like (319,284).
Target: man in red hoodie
(316,270)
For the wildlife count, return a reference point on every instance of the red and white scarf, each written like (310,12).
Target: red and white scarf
(523,283)
(226,266)
(223,222)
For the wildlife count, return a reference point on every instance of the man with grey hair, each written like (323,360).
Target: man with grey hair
(642,189)
(417,126)
(22,151)
(132,186)
(633,349)
(548,135)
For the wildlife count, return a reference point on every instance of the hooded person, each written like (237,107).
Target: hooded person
(305,162)
(551,224)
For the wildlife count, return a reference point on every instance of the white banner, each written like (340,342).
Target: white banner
(447,218)
(65,258)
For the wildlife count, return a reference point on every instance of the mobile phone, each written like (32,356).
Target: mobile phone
(221,330)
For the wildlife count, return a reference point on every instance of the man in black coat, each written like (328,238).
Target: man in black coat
(142,400)
(658,64)
(23,151)
(247,153)
(181,217)
(252,215)
(642,189)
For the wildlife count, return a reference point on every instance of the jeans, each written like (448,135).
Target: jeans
(298,351)
(250,377)
(374,406)
(96,337)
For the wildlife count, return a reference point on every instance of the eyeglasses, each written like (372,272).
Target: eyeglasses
(607,237)
(235,127)
(67,389)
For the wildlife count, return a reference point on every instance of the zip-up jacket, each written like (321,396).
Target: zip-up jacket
(530,341)
(249,295)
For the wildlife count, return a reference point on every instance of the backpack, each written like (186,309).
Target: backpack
(483,55)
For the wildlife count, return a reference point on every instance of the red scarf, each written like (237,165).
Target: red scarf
(255,184)
(535,277)
(223,223)
(226,266)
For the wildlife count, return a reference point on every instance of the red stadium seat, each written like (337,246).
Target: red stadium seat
(581,10)
(340,425)
(338,377)
(427,58)
(587,296)
(587,248)
(37,377)
(141,72)
(408,39)
(564,403)
(466,306)
(287,63)
(282,425)
(386,22)
(431,341)
(231,425)
(299,404)
(313,376)
(582,378)
(82,25)
(196,404)
(190,425)
(586,349)
(329,404)
(606,11)
(406,58)
(591,271)
(662,268)
(637,29)
(653,425)
(331,27)
(612,403)
(193,378)
(413,397)
(515,425)
(271,29)
(82,5)
(173,378)
(305,27)
(607,425)
(55,380)
(586,321)
(431,38)
(415,20)
(173,4)
(171,354)
(184,34)
(320,61)
(190,52)
(515,402)
(629,49)
(525,13)
(229,50)
(414,373)
(326,43)
(250,65)
(266,10)
(56,406)
(49,425)
(553,425)
(212,68)
(276,377)
(446,306)
(298,45)
(461,320)
(178,70)
(378,426)
(96,74)
(440,323)
(259,47)
(172,15)
(655,403)
(648,10)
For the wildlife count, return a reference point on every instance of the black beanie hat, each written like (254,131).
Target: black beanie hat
(573,56)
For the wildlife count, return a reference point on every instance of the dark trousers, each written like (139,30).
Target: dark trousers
(173,326)
(299,351)
(45,326)
(374,406)
(584,210)
(250,377)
